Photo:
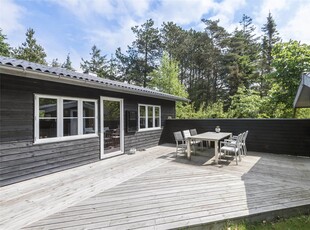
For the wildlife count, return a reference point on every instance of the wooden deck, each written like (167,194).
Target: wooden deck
(154,190)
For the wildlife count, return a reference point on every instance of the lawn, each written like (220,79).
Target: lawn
(301,222)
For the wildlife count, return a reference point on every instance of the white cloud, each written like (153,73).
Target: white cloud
(182,12)
(290,17)
(276,7)
(10,19)
(297,27)
(83,9)
(225,11)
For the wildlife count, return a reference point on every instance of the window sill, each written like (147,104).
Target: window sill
(149,129)
(61,139)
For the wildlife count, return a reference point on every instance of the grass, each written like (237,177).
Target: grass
(301,222)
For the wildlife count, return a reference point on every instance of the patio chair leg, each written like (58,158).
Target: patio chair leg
(245,150)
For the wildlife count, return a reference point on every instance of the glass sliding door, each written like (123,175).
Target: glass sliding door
(112,126)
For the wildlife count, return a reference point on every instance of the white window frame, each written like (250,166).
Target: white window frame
(60,119)
(146,117)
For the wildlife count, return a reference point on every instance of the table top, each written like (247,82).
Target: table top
(212,136)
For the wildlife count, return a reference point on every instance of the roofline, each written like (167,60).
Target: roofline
(300,89)
(28,73)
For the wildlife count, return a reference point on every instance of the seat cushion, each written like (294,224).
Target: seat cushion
(229,148)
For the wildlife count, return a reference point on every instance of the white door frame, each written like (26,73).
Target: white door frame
(121,101)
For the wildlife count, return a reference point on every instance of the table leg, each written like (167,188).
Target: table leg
(188,149)
(216,152)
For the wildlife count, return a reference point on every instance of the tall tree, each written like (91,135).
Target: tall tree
(55,63)
(4,46)
(68,64)
(270,38)
(165,78)
(143,55)
(215,61)
(243,55)
(112,69)
(290,60)
(30,50)
(174,43)
(97,63)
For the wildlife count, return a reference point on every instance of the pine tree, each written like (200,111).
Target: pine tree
(4,47)
(55,63)
(142,56)
(270,38)
(242,56)
(68,64)
(97,63)
(30,50)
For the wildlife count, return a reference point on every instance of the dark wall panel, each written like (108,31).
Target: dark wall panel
(20,159)
(281,136)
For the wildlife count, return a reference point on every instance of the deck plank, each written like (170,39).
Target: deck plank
(155,190)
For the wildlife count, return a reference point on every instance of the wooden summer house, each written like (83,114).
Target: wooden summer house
(53,119)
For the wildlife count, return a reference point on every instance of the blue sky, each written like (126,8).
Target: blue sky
(73,26)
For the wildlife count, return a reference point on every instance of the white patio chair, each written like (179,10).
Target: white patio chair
(234,146)
(193,132)
(186,134)
(243,145)
(244,149)
(180,142)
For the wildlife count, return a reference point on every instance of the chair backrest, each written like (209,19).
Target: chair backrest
(186,133)
(178,136)
(245,136)
(193,132)
(239,139)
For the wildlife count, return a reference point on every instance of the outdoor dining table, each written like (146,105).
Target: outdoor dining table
(207,136)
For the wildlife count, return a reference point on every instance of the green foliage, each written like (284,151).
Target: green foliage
(300,222)
(55,63)
(142,56)
(290,60)
(165,78)
(68,64)
(97,63)
(4,46)
(30,50)
(245,103)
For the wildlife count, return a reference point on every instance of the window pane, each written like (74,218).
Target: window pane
(142,111)
(142,117)
(70,126)
(88,109)
(70,108)
(47,107)
(150,116)
(156,111)
(142,123)
(88,125)
(157,122)
(48,128)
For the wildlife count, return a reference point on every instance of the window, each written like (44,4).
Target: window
(149,117)
(62,118)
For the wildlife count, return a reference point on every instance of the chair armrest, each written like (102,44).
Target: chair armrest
(227,142)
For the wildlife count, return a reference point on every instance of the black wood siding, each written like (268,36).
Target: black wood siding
(20,159)
(280,136)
